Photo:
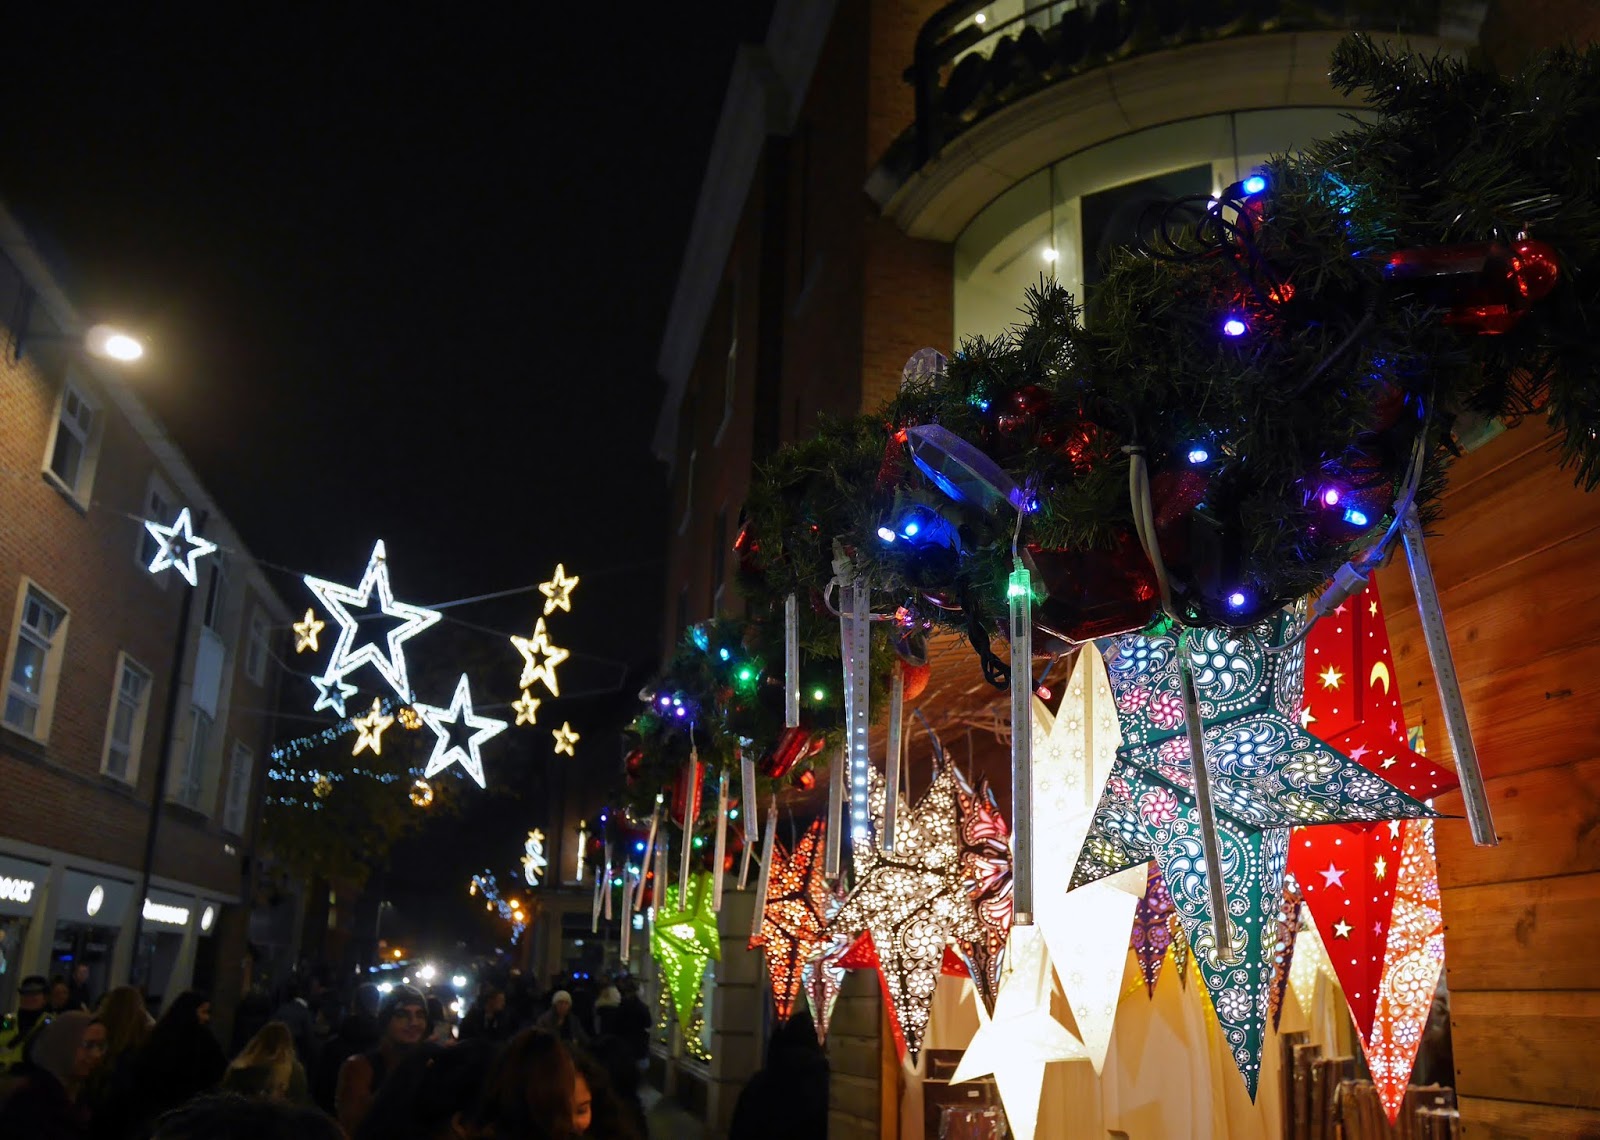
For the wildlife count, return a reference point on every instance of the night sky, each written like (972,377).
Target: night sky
(400,277)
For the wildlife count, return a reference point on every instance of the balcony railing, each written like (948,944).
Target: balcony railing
(970,62)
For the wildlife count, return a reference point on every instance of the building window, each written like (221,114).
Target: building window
(688,494)
(730,368)
(241,768)
(719,559)
(72,451)
(35,663)
(158,506)
(188,785)
(214,592)
(130,705)
(255,654)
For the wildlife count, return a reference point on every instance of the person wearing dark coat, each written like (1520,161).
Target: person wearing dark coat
(180,1059)
(296,1014)
(787,1100)
(48,1104)
(357,1033)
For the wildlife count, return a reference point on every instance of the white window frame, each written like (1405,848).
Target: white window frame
(191,773)
(126,665)
(83,480)
(257,646)
(241,771)
(160,505)
(54,647)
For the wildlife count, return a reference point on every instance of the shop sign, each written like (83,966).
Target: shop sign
(94,899)
(162,909)
(20,884)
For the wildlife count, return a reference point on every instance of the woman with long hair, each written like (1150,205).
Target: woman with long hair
(530,1091)
(49,1103)
(180,1059)
(267,1067)
(113,1092)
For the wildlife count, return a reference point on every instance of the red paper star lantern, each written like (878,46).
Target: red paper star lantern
(1348,872)
(986,871)
(794,918)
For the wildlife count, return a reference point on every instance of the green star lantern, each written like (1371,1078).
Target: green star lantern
(1267,774)
(682,940)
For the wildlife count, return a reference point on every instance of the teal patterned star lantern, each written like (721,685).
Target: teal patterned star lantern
(1267,774)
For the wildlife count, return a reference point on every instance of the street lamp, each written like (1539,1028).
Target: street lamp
(105,341)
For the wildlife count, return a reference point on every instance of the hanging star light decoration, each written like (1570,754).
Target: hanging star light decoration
(370,729)
(332,692)
(390,662)
(1087,931)
(565,739)
(446,750)
(539,659)
(534,862)
(526,707)
(1152,936)
(1411,969)
(558,591)
(1348,873)
(179,547)
(1022,1038)
(306,631)
(1285,933)
(986,870)
(794,916)
(822,975)
(913,900)
(683,939)
(1267,775)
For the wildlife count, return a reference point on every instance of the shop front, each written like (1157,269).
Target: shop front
(22,889)
(90,915)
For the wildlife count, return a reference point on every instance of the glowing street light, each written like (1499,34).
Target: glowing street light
(113,343)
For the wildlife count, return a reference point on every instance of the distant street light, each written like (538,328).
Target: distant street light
(103,340)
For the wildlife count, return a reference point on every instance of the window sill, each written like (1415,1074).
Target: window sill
(21,743)
(183,811)
(66,492)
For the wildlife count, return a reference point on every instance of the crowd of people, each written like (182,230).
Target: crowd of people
(378,1066)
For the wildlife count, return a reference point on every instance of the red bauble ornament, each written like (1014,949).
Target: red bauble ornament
(747,550)
(915,678)
(687,788)
(633,762)
(784,755)
(1486,286)
(896,466)
(1093,593)
(1022,409)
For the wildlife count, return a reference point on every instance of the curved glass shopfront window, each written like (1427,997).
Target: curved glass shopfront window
(1064,221)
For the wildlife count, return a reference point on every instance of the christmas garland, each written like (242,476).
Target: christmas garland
(1250,399)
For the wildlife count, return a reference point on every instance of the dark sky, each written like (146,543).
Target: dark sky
(402,276)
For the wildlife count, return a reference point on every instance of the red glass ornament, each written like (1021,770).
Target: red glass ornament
(1029,400)
(1487,287)
(806,779)
(791,748)
(633,762)
(747,550)
(896,465)
(687,788)
(1093,593)
(915,678)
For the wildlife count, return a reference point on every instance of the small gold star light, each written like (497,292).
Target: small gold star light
(539,659)
(565,739)
(1330,677)
(558,591)
(526,707)
(305,632)
(371,729)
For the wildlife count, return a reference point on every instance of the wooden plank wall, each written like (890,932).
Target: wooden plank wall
(1518,561)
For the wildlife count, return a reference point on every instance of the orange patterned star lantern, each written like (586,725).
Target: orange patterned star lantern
(1348,872)
(1411,969)
(794,918)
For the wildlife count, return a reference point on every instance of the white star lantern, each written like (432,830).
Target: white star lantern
(1022,1038)
(390,663)
(1086,931)
(459,712)
(332,692)
(180,553)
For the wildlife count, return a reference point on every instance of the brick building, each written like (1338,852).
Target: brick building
(90,660)
(894,174)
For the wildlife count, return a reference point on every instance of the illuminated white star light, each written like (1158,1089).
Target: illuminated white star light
(558,591)
(334,598)
(539,659)
(459,712)
(331,693)
(1022,1038)
(176,553)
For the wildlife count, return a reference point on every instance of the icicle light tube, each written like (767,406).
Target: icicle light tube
(1019,595)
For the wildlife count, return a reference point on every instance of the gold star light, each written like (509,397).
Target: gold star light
(539,659)
(565,739)
(371,729)
(1330,677)
(526,707)
(1341,929)
(305,632)
(1380,866)
(558,591)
